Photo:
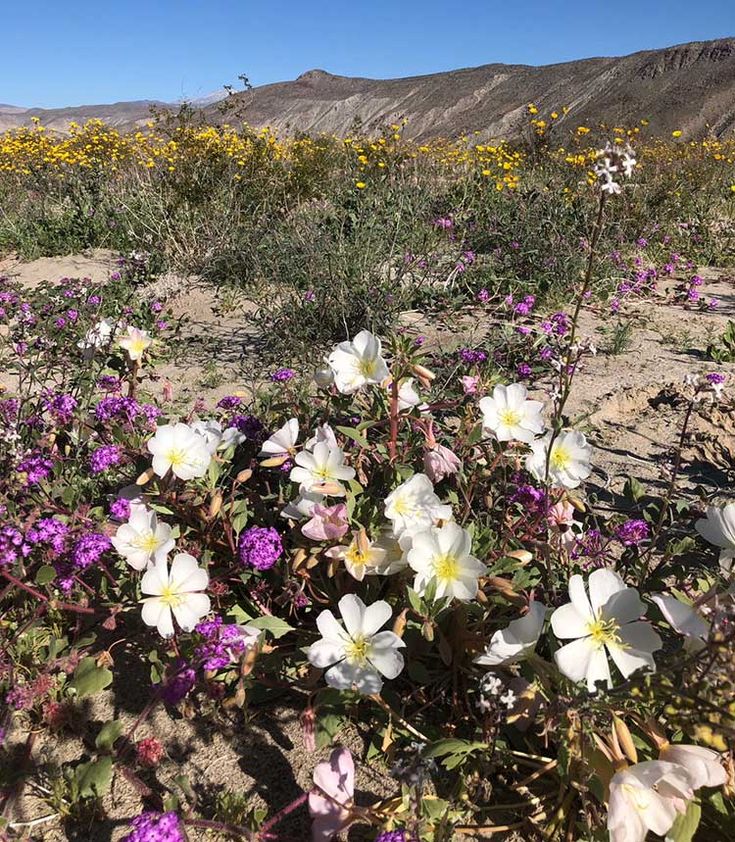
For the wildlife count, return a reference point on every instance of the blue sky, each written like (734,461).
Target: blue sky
(77,51)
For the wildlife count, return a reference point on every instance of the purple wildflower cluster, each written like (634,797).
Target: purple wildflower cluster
(115,408)
(89,548)
(223,643)
(472,356)
(155,827)
(633,532)
(260,547)
(104,458)
(179,683)
(250,427)
(532,500)
(49,532)
(229,402)
(593,546)
(60,407)
(35,467)
(13,546)
(392,836)
(120,508)
(467,258)
(283,375)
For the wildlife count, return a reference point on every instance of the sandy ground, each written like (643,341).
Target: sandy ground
(620,401)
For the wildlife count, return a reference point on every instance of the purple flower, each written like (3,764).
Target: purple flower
(155,827)
(224,643)
(60,407)
(88,549)
(36,468)
(13,546)
(632,532)
(392,836)
(51,532)
(471,356)
(179,683)
(715,378)
(109,383)
(260,547)
(250,426)
(229,402)
(104,458)
(283,375)
(120,508)
(483,296)
(524,370)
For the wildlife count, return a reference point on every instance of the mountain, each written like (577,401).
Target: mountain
(690,87)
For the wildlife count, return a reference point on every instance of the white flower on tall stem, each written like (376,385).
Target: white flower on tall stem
(510,416)
(136,342)
(684,619)
(175,592)
(98,336)
(568,463)
(357,653)
(443,554)
(143,541)
(718,528)
(177,447)
(646,796)
(322,470)
(605,623)
(413,506)
(358,363)
(517,640)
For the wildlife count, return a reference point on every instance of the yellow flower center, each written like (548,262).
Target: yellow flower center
(147,542)
(176,457)
(137,346)
(171,597)
(509,417)
(354,556)
(604,632)
(446,567)
(367,367)
(560,458)
(356,651)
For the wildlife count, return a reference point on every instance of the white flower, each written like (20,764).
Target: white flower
(508,699)
(362,557)
(414,506)
(646,796)
(702,765)
(357,653)
(684,619)
(517,640)
(283,441)
(443,554)
(179,448)
(408,397)
(143,541)
(135,343)
(98,336)
(510,415)
(322,470)
(176,591)
(718,527)
(569,462)
(301,507)
(215,437)
(325,433)
(604,623)
(358,363)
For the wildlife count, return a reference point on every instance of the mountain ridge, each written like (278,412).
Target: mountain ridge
(688,87)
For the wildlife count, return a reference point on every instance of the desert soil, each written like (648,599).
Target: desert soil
(621,401)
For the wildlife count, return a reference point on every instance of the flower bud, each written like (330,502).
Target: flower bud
(324,377)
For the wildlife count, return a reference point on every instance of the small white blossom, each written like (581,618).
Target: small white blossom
(175,592)
(358,363)
(143,541)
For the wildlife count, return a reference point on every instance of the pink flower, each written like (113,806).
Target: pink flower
(469,384)
(327,523)
(561,514)
(331,799)
(440,462)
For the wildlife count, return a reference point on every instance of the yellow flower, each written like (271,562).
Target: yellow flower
(676,133)
(360,185)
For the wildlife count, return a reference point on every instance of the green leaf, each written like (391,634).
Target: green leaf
(89,678)
(94,778)
(634,490)
(275,625)
(415,601)
(352,433)
(452,746)
(45,574)
(110,732)
(686,824)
